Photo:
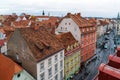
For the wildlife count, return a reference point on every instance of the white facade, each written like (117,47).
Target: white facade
(41,19)
(23,75)
(52,68)
(68,25)
(4,48)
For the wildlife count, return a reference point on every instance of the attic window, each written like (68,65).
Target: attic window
(41,48)
(69,23)
(18,75)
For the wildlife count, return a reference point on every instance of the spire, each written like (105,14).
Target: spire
(43,13)
(118,17)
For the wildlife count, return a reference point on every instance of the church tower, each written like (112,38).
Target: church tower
(118,24)
(43,13)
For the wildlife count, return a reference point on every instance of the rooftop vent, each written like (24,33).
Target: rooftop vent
(40,47)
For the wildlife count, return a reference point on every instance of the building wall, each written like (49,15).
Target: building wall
(71,64)
(88,44)
(23,75)
(47,66)
(19,51)
(66,25)
(118,27)
(4,48)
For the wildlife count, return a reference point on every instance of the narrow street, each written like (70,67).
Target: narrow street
(101,56)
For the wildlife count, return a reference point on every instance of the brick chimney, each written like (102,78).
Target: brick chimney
(68,14)
(78,14)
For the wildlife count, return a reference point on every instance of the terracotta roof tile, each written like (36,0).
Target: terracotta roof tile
(103,22)
(67,39)
(41,43)
(8,30)
(8,68)
(79,20)
(21,24)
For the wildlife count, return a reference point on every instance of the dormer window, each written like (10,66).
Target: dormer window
(46,44)
(40,47)
(75,45)
(71,47)
(68,48)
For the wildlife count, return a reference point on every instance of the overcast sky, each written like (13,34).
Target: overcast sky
(103,8)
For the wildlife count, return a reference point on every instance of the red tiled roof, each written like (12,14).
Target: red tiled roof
(103,22)
(67,39)
(49,24)
(2,30)
(8,68)
(9,19)
(80,21)
(41,43)
(8,30)
(93,21)
(21,23)
(109,71)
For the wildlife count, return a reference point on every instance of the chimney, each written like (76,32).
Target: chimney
(68,14)
(78,14)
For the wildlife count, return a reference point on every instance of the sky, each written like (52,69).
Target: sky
(87,8)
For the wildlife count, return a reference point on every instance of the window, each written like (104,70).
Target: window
(56,68)
(42,76)
(86,55)
(65,28)
(56,77)
(87,29)
(61,75)
(18,75)
(49,62)
(87,48)
(61,64)
(82,35)
(75,28)
(50,73)
(83,30)
(17,56)
(90,28)
(65,23)
(81,58)
(61,28)
(69,23)
(71,61)
(56,58)
(41,66)
(61,54)
(82,51)
(67,65)
(75,35)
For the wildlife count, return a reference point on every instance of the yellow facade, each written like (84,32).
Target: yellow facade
(71,64)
